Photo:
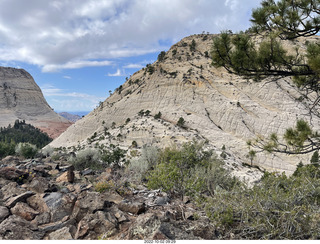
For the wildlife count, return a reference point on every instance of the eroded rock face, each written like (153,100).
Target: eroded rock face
(224,109)
(21,98)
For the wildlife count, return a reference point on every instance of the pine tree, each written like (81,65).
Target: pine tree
(275,22)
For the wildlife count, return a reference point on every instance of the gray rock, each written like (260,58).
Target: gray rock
(39,185)
(97,223)
(60,205)
(56,225)
(61,234)
(87,172)
(134,208)
(10,189)
(162,200)
(17,228)
(87,203)
(4,213)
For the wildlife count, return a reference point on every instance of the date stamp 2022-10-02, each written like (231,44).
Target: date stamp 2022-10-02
(160,241)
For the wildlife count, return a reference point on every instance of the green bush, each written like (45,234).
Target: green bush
(181,122)
(6,149)
(279,207)
(161,56)
(26,150)
(114,157)
(182,171)
(158,115)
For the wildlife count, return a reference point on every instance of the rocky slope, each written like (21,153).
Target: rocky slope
(46,199)
(224,109)
(21,98)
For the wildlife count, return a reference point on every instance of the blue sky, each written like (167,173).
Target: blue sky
(78,50)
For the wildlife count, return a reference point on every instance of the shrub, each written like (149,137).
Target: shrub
(161,56)
(114,157)
(181,171)
(87,158)
(104,186)
(47,151)
(26,150)
(150,69)
(193,45)
(138,168)
(158,115)
(181,122)
(279,207)
(6,149)
(315,157)
(134,144)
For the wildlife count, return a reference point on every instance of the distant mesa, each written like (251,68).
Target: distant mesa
(21,98)
(71,117)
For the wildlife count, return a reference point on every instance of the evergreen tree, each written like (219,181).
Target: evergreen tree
(275,22)
(21,132)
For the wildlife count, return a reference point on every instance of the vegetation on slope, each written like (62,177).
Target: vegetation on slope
(22,139)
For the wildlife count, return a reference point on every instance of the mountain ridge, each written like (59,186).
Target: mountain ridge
(219,107)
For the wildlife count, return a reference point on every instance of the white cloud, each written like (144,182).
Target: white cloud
(118,73)
(61,34)
(63,100)
(74,65)
(67,77)
(133,66)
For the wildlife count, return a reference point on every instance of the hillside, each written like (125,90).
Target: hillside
(21,98)
(71,117)
(224,109)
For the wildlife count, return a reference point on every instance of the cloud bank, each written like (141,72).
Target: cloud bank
(72,34)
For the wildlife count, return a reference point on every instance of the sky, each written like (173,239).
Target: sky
(78,50)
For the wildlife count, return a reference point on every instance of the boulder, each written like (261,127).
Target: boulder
(13,174)
(4,213)
(10,160)
(22,197)
(16,228)
(134,208)
(62,234)
(10,189)
(39,185)
(97,224)
(37,202)
(56,225)
(60,205)
(24,211)
(121,217)
(41,219)
(88,202)
(67,176)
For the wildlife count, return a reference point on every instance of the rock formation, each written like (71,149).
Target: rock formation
(224,109)
(42,206)
(21,98)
